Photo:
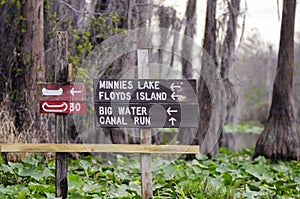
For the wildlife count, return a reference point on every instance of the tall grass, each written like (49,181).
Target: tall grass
(8,131)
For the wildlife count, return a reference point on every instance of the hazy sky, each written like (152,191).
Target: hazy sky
(261,15)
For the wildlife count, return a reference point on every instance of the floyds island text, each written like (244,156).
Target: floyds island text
(140,88)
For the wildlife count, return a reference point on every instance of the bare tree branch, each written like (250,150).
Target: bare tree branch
(243,28)
(95,13)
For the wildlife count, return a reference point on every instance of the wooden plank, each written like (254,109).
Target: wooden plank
(101,148)
(61,125)
(145,133)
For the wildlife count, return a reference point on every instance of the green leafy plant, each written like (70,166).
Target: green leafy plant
(228,175)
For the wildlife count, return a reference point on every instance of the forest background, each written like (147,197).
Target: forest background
(27,30)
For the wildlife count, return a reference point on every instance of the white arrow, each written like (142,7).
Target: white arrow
(52,92)
(175,97)
(172,120)
(173,86)
(169,111)
(72,91)
(45,107)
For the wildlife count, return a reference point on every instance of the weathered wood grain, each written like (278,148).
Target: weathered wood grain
(61,126)
(145,133)
(101,148)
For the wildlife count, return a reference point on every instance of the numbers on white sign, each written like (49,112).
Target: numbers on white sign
(75,107)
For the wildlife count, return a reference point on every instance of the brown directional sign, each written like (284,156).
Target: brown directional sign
(144,90)
(136,115)
(62,98)
(135,103)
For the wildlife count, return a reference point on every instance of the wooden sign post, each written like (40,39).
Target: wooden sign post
(61,124)
(127,103)
(145,103)
(145,133)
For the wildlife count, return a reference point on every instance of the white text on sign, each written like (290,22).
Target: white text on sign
(138,91)
(134,103)
(145,115)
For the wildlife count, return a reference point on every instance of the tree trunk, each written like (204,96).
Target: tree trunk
(280,139)
(204,97)
(209,43)
(32,63)
(138,14)
(9,51)
(190,30)
(167,19)
(186,135)
(227,60)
